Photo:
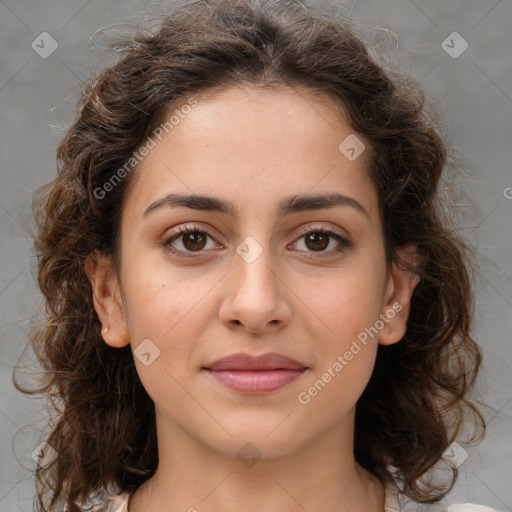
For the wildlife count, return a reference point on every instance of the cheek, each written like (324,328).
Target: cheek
(158,294)
(345,303)
(346,348)
(344,309)
(169,312)
(171,308)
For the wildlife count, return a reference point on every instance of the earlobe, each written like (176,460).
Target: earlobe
(397,302)
(107,299)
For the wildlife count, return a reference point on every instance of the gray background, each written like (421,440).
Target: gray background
(37,98)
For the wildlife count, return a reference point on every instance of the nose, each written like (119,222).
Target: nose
(255,296)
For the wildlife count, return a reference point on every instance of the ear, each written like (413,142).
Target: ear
(397,301)
(107,299)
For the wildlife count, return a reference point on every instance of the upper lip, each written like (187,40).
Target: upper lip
(243,362)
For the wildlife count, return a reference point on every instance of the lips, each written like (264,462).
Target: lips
(246,362)
(255,374)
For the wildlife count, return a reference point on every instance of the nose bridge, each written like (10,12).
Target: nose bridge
(254,262)
(255,297)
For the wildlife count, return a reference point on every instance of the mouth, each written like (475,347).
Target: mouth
(255,381)
(252,374)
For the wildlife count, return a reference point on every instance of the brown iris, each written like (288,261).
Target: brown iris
(196,239)
(317,239)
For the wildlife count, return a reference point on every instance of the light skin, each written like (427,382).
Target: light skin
(254,149)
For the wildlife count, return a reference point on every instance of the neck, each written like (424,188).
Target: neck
(234,475)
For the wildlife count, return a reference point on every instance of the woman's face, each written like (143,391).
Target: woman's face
(248,278)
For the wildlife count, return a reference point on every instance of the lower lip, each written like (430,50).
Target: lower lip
(255,381)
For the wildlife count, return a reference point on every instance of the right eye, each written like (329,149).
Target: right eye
(192,239)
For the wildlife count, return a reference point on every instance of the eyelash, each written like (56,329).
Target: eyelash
(344,243)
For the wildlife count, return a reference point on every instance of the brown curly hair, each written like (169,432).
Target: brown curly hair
(416,402)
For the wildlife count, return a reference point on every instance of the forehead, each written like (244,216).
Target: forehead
(251,119)
(269,143)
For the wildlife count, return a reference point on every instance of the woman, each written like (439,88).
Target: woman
(256,298)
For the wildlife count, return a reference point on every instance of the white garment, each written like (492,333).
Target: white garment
(469,507)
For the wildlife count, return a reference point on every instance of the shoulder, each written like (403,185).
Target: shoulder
(468,507)
(392,503)
(117,503)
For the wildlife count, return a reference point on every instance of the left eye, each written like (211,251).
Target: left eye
(194,239)
(319,239)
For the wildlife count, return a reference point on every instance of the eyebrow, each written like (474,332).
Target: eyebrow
(291,204)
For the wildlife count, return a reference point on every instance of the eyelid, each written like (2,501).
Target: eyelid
(331,229)
(337,233)
(183,229)
(344,241)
